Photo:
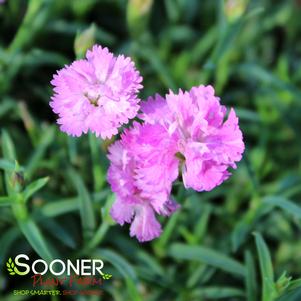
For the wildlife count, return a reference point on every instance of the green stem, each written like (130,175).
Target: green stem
(98,173)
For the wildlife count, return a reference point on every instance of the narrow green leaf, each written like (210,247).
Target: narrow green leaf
(9,153)
(39,57)
(208,256)
(98,173)
(104,225)
(284,204)
(215,293)
(85,205)
(72,148)
(35,239)
(267,77)
(124,268)
(247,222)
(248,115)
(283,283)
(201,226)
(34,20)
(151,262)
(34,187)
(294,295)
(201,274)
(45,140)
(60,26)
(250,279)
(56,208)
(152,57)
(7,165)
(296,283)
(58,231)
(6,242)
(63,206)
(8,148)
(6,200)
(172,10)
(7,105)
(132,289)
(266,268)
(229,35)
(160,244)
(99,235)
(203,45)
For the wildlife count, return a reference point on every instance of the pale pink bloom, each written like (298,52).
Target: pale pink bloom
(97,94)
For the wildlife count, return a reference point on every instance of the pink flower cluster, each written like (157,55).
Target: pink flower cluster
(186,134)
(183,133)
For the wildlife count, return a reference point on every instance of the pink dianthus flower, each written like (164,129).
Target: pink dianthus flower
(194,121)
(187,132)
(98,93)
(141,174)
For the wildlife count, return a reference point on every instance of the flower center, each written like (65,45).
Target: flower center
(180,156)
(93,99)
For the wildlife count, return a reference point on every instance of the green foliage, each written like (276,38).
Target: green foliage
(208,256)
(266,269)
(54,198)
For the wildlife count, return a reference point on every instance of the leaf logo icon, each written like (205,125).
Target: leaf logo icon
(10,265)
(106,276)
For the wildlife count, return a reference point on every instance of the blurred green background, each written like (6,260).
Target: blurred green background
(240,241)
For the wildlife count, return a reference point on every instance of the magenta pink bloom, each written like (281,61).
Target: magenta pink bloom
(97,94)
(141,174)
(186,132)
(195,123)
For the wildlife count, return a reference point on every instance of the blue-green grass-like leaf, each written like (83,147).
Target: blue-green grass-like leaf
(124,268)
(85,205)
(250,279)
(266,269)
(284,204)
(208,256)
(34,187)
